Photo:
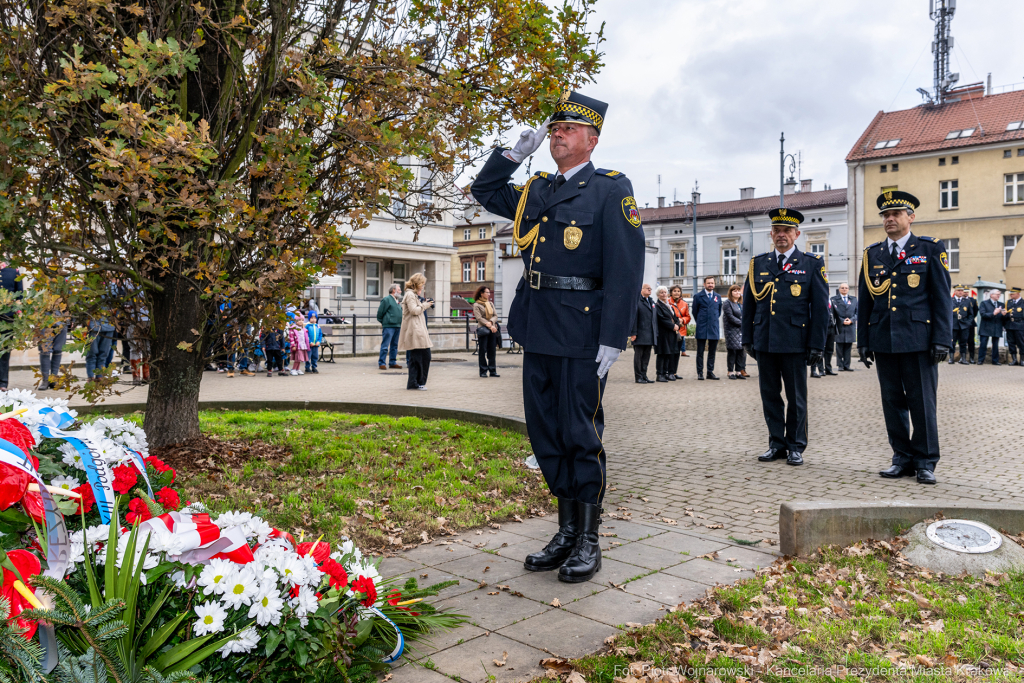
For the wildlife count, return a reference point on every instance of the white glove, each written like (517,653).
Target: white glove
(529,142)
(606,355)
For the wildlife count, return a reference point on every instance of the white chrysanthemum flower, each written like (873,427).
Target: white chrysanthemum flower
(263,575)
(367,570)
(312,570)
(77,537)
(19,396)
(150,560)
(258,528)
(232,518)
(195,508)
(178,579)
(215,576)
(98,533)
(306,602)
(292,569)
(66,483)
(267,606)
(125,433)
(76,552)
(246,641)
(70,456)
(211,618)
(163,541)
(240,589)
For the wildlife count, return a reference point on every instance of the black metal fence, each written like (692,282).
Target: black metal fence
(345,338)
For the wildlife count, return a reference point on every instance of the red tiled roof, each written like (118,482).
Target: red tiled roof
(924,128)
(747,207)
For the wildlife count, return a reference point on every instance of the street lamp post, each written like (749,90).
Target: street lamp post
(782,170)
(694,201)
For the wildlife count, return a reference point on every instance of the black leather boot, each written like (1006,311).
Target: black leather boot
(558,549)
(585,560)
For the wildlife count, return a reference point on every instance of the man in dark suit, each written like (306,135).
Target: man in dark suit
(582,245)
(785,320)
(9,281)
(906,326)
(992,312)
(963,325)
(971,350)
(846,315)
(707,310)
(644,336)
(1013,323)
(824,366)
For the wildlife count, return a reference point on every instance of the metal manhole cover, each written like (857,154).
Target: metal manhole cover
(964,536)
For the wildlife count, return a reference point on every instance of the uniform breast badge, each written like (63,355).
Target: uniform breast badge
(913,279)
(794,289)
(572,237)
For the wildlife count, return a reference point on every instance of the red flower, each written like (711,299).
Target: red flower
(365,586)
(125,478)
(339,577)
(320,553)
(138,511)
(33,505)
(168,497)
(160,466)
(19,435)
(28,566)
(87,500)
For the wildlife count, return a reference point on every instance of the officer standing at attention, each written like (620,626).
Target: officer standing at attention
(1013,323)
(785,320)
(906,326)
(963,324)
(579,234)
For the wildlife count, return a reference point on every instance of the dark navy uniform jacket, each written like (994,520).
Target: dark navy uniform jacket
(963,313)
(1013,321)
(991,325)
(599,203)
(912,313)
(794,316)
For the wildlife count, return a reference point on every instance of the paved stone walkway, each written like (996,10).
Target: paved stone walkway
(673,449)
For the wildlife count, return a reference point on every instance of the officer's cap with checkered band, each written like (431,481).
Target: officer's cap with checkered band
(580,108)
(786,217)
(894,199)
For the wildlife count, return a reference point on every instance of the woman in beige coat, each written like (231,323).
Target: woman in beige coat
(486,330)
(413,336)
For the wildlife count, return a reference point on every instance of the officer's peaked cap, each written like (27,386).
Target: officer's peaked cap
(894,199)
(576,107)
(790,217)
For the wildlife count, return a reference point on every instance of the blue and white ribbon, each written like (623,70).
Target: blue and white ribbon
(101,480)
(400,645)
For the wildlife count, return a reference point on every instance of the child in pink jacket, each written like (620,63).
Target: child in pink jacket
(299,340)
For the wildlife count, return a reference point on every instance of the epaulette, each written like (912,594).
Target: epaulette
(611,174)
(817,256)
(543,174)
(927,239)
(875,244)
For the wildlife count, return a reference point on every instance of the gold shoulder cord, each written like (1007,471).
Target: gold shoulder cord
(531,236)
(765,291)
(875,291)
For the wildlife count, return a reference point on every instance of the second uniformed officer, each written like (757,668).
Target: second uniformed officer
(785,321)
(583,250)
(906,327)
(963,324)
(1013,323)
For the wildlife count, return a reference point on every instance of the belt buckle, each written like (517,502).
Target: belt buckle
(534,279)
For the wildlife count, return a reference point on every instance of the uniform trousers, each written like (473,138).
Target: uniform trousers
(641,358)
(565,422)
(909,384)
(1015,341)
(787,427)
(712,345)
(826,356)
(960,338)
(843,350)
(984,347)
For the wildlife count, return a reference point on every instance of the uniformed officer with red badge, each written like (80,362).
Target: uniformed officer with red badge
(579,234)
(906,324)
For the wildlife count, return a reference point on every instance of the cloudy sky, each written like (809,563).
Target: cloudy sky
(701,89)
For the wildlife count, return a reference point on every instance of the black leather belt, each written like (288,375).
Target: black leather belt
(580,284)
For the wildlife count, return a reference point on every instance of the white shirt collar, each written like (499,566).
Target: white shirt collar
(572,171)
(902,242)
(788,253)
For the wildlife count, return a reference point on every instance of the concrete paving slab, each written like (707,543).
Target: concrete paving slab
(492,612)
(746,557)
(647,556)
(393,566)
(628,531)
(666,589)
(485,567)
(616,572)
(615,608)
(561,632)
(434,554)
(519,551)
(435,576)
(447,639)
(541,528)
(545,587)
(681,543)
(493,540)
(410,672)
(474,661)
(709,573)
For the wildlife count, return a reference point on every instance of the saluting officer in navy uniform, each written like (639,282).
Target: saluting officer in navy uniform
(1013,323)
(785,321)
(906,326)
(963,324)
(579,234)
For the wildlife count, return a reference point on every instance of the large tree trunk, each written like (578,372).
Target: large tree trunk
(172,411)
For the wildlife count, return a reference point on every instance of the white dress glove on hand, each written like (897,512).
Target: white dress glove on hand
(606,355)
(529,142)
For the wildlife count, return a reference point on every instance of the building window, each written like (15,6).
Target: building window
(1009,242)
(1015,125)
(481,271)
(679,264)
(345,272)
(949,194)
(953,253)
(883,168)
(467,234)
(729,261)
(373,279)
(398,207)
(954,160)
(482,232)
(400,273)
(1020,152)
(467,271)
(942,161)
(427,192)
(818,249)
(1007,153)
(895,167)
(1014,188)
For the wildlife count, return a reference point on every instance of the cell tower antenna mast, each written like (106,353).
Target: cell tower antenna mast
(941,12)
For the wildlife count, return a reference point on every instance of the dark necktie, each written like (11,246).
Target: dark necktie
(782,260)
(895,252)
(559,181)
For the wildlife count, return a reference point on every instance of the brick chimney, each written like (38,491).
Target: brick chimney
(746,193)
(805,185)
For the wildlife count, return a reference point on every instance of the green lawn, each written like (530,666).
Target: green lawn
(864,609)
(382,481)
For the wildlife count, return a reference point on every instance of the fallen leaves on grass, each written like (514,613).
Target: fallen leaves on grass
(556,664)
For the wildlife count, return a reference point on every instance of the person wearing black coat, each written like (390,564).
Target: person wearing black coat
(824,366)
(963,325)
(846,317)
(992,312)
(644,335)
(732,329)
(668,325)
(9,280)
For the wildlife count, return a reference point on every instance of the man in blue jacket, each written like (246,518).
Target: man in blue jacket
(707,311)
(579,235)
(992,312)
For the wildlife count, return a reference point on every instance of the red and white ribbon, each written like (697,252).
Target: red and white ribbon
(198,540)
